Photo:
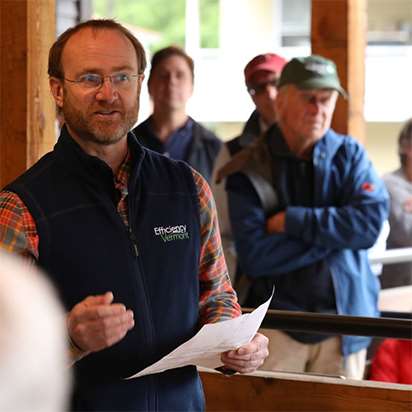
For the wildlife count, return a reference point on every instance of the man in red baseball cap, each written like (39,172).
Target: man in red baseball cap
(263,72)
(261,76)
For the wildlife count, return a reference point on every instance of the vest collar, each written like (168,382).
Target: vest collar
(77,161)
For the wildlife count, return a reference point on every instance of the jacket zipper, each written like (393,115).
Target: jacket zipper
(133,239)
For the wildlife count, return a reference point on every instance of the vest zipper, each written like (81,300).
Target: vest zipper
(134,241)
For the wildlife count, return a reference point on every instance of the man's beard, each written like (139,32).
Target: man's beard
(90,129)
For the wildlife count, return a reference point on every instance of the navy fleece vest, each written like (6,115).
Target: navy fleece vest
(152,268)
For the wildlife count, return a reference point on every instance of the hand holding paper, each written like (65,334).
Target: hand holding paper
(248,357)
(236,337)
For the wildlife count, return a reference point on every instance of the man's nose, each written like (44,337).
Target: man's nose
(107,91)
(173,79)
(271,91)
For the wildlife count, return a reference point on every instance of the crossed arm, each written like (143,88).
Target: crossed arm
(298,236)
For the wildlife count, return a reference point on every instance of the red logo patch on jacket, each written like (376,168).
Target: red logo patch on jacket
(368,187)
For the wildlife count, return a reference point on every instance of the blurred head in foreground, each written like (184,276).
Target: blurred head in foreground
(34,373)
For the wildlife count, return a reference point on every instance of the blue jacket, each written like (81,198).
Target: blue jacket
(86,249)
(350,205)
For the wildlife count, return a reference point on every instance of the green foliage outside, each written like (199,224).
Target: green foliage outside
(164,16)
(209,23)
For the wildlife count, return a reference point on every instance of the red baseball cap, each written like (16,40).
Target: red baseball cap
(269,62)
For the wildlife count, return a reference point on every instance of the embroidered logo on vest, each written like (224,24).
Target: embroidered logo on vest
(170,233)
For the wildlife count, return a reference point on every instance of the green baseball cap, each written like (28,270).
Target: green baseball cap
(312,72)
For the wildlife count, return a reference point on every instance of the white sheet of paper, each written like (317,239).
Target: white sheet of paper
(205,347)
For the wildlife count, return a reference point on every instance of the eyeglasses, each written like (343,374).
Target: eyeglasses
(121,81)
(260,88)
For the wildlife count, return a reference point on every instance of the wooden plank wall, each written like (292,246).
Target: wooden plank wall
(309,394)
(27,113)
(338,32)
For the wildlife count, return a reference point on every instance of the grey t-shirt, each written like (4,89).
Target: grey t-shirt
(400,235)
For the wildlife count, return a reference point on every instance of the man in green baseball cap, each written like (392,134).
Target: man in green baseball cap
(312,72)
(309,236)
(308,91)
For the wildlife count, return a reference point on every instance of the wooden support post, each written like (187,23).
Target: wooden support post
(27,112)
(339,33)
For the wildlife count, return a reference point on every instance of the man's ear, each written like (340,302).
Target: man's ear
(192,90)
(139,84)
(56,88)
(140,81)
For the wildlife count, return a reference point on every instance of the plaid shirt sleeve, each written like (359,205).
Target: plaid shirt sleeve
(218,300)
(18,232)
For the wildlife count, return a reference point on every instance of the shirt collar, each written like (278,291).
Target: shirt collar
(122,176)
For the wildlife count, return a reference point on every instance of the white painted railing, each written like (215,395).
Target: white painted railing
(391,256)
